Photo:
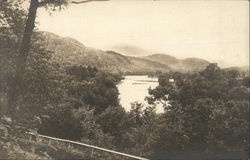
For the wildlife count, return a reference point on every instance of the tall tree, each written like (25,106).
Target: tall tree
(26,43)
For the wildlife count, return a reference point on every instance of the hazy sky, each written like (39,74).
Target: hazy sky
(214,30)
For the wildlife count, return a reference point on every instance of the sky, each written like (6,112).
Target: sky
(214,30)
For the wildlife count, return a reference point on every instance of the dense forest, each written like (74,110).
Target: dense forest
(206,113)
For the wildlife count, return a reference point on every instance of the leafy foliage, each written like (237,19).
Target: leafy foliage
(204,111)
(12,19)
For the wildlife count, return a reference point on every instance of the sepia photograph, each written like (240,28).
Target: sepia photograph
(124,80)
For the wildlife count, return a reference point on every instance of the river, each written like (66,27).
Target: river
(135,88)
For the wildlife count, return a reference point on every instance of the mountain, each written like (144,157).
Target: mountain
(130,50)
(71,52)
(182,65)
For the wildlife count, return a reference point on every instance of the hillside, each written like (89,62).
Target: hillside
(182,65)
(70,51)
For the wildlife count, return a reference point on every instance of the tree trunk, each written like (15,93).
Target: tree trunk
(17,84)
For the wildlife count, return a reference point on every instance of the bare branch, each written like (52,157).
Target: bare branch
(163,103)
(86,1)
(45,2)
(76,2)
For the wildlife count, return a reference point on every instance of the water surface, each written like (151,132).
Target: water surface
(135,88)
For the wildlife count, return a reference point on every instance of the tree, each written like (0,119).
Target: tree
(143,130)
(206,110)
(11,25)
(114,122)
(246,81)
(26,43)
(42,86)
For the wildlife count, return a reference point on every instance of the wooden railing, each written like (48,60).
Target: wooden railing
(39,137)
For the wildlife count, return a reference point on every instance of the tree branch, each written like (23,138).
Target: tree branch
(86,1)
(45,2)
(163,103)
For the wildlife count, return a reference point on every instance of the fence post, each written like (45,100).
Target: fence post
(69,146)
(92,152)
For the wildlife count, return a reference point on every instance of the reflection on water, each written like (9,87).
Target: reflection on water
(135,88)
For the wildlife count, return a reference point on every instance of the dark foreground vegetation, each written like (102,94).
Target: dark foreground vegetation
(206,114)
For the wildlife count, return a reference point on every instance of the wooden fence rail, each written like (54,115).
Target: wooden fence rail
(70,143)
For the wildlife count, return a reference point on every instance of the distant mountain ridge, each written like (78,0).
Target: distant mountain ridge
(183,65)
(71,52)
(130,50)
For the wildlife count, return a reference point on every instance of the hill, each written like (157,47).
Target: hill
(70,52)
(182,65)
